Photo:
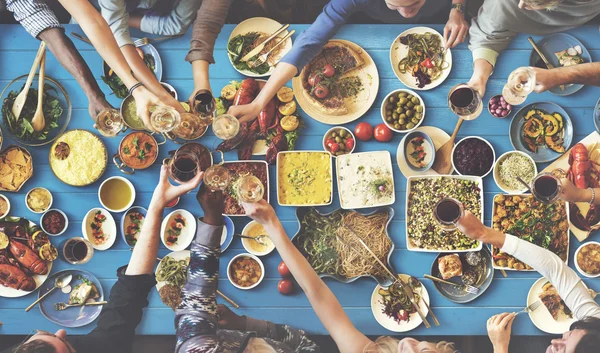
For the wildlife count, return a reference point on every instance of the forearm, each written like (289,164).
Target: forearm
(500,349)
(134,20)
(584,74)
(143,258)
(281,75)
(200,73)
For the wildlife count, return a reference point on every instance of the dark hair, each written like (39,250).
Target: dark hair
(591,341)
(35,346)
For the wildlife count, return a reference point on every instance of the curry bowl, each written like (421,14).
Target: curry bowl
(137,150)
(253,261)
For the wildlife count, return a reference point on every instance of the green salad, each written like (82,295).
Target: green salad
(114,82)
(242,44)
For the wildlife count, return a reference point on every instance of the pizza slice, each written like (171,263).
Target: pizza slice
(552,301)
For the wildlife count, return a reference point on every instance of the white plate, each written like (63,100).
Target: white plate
(541,317)
(187,233)
(261,24)
(389,323)
(6,292)
(497,170)
(108,226)
(577,264)
(369,77)
(342,184)
(439,138)
(280,154)
(176,255)
(478,180)
(398,51)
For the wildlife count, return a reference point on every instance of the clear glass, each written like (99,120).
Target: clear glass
(465,102)
(204,105)
(217,177)
(183,167)
(546,187)
(189,126)
(447,212)
(250,189)
(164,119)
(226,127)
(77,251)
(519,85)
(109,122)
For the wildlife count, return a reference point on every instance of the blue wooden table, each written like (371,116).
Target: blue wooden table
(17,50)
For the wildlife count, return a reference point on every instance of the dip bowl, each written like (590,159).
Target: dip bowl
(430,150)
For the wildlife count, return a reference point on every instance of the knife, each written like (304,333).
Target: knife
(261,46)
(548,65)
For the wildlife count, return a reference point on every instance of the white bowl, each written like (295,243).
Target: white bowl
(62,213)
(482,139)
(577,264)
(262,268)
(49,205)
(334,129)
(396,92)
(245,241)
(109,227)
(7,203)
(187,234)
(132,194)
(499,183)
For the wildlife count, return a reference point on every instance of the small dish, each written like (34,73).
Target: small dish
(386,102)
(466,139)
(228,232)
(129,226)
(497,101)
(428,149)
(109,228)
(250,256)
(188,230)
(577,262)
(341,145)
(110,182)
(39,211)
(2,215)
(496,174)
(50,213)
(253,249)
(170,89)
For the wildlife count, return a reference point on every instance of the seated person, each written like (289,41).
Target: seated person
(196,317)
(329,310)
(334,15)
(119,318)
(41,22)
(498,22)
(583,74)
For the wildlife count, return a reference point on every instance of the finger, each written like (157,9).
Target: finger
(499,318)
(245,119)
(190,185)
(452,40)
(462,36)
(164,175)
(446,30)
(507,320)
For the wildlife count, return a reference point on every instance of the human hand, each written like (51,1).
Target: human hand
(212,202)
(165,192)
(229,320)
(544,79)
(260,211)
(245,113)
(571,193)
(471,226)
(456,29)
(96,105)
(478,84)
(144,100)
(167,99)
(499,328)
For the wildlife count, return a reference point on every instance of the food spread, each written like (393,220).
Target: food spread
(365,180)
(304,178)
(78,158)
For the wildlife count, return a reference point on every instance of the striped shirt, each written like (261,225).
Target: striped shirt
(34,15)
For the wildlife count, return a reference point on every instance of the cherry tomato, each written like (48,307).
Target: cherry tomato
(328,142)
(284,271)
(321,91)
(334,147)
(349,144)
(363,131)
(314,79)
(285,286)
(383,133)
(328,70)
(427,63)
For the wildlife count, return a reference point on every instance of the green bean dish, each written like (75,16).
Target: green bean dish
(426,58)
(173,271)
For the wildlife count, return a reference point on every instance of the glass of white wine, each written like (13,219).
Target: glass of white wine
(165,118)
(226,126)
(519,85)
(217,177)
(109,122)
(250,189)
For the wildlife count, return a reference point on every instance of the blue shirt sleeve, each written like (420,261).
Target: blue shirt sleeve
(310,42)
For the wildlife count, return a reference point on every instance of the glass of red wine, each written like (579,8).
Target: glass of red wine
(77,251)
(447,212)
(183,166)
(465,102)
(545,187)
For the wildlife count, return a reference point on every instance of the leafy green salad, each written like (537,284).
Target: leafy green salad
(241,45)
(114,82)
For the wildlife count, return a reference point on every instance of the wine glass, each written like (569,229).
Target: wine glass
(184,166)
(519,85)
(545,187)
(226,126)
(447,212)
(109,122)
(217,177)
(465,102)
(165,118)
(250,189)
(205,105)
(189,126)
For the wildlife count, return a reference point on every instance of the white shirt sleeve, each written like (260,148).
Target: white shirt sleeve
(175,22)
(116,15)
(568,285)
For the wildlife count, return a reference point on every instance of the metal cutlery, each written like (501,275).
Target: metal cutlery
(465,287)
(543,57)
(143,41)
(263,58)
(261,46)
(62,306)
(532,307)
(258,239)
(60,282)
(435,320)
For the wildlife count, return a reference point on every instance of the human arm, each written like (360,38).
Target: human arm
(583,74)
(324,303)
(499,328)
(457,27)
(175,22)
(570,193)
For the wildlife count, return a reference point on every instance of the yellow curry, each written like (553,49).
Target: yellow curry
(304,178)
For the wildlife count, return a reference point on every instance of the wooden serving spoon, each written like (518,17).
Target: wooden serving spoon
(443,156)
(39,122)
(22,97)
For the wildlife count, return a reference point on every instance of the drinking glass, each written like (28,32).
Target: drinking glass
(77,251)
(188,127)
(183,167)
(546,187)
(217,177)
(465,102)
(447,212)
(204,105)
(520,83)
(226,127)
(250,189)
(164,119)
(109,122)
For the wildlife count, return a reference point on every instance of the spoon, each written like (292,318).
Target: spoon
(22,97)
(524,184)
(443,156)
(39,122)
(60,282)
(258,239)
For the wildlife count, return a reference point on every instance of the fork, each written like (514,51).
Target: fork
(465,287)
(261,59)
(532,307)
(143,41)
(62,306)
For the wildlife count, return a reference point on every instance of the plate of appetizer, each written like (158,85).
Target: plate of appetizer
(238,168)
(339,85)
(422,231)
(16,167)
(178,230)
(510,166)
(324,239)
(99,228)
(587,259)
(473,155)
(245,271)
(419,151)
(419,59)
(552,316)
(438,137)
(365,179)
(248,35)
(393,309)
(542,130)
(403,110)
(23,274)
(171,275)
(339,140)
(473,268)
(78,157)
(131,224)
(518,215)
(561,50)
(304,178)
(84,292)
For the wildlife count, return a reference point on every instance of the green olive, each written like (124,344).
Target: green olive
(395,115)
(419,108)
(342,147)
(418,115)
(338,139)
(414,120)
(409,126)
(410,105)
(403,101)
(397,127)
(415,100)
(389,119)
(410,113)
(393,99)
(334,134)
(409,97)
(402,94)
(402,121)
(343,133)
(402,116)
(398,110)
